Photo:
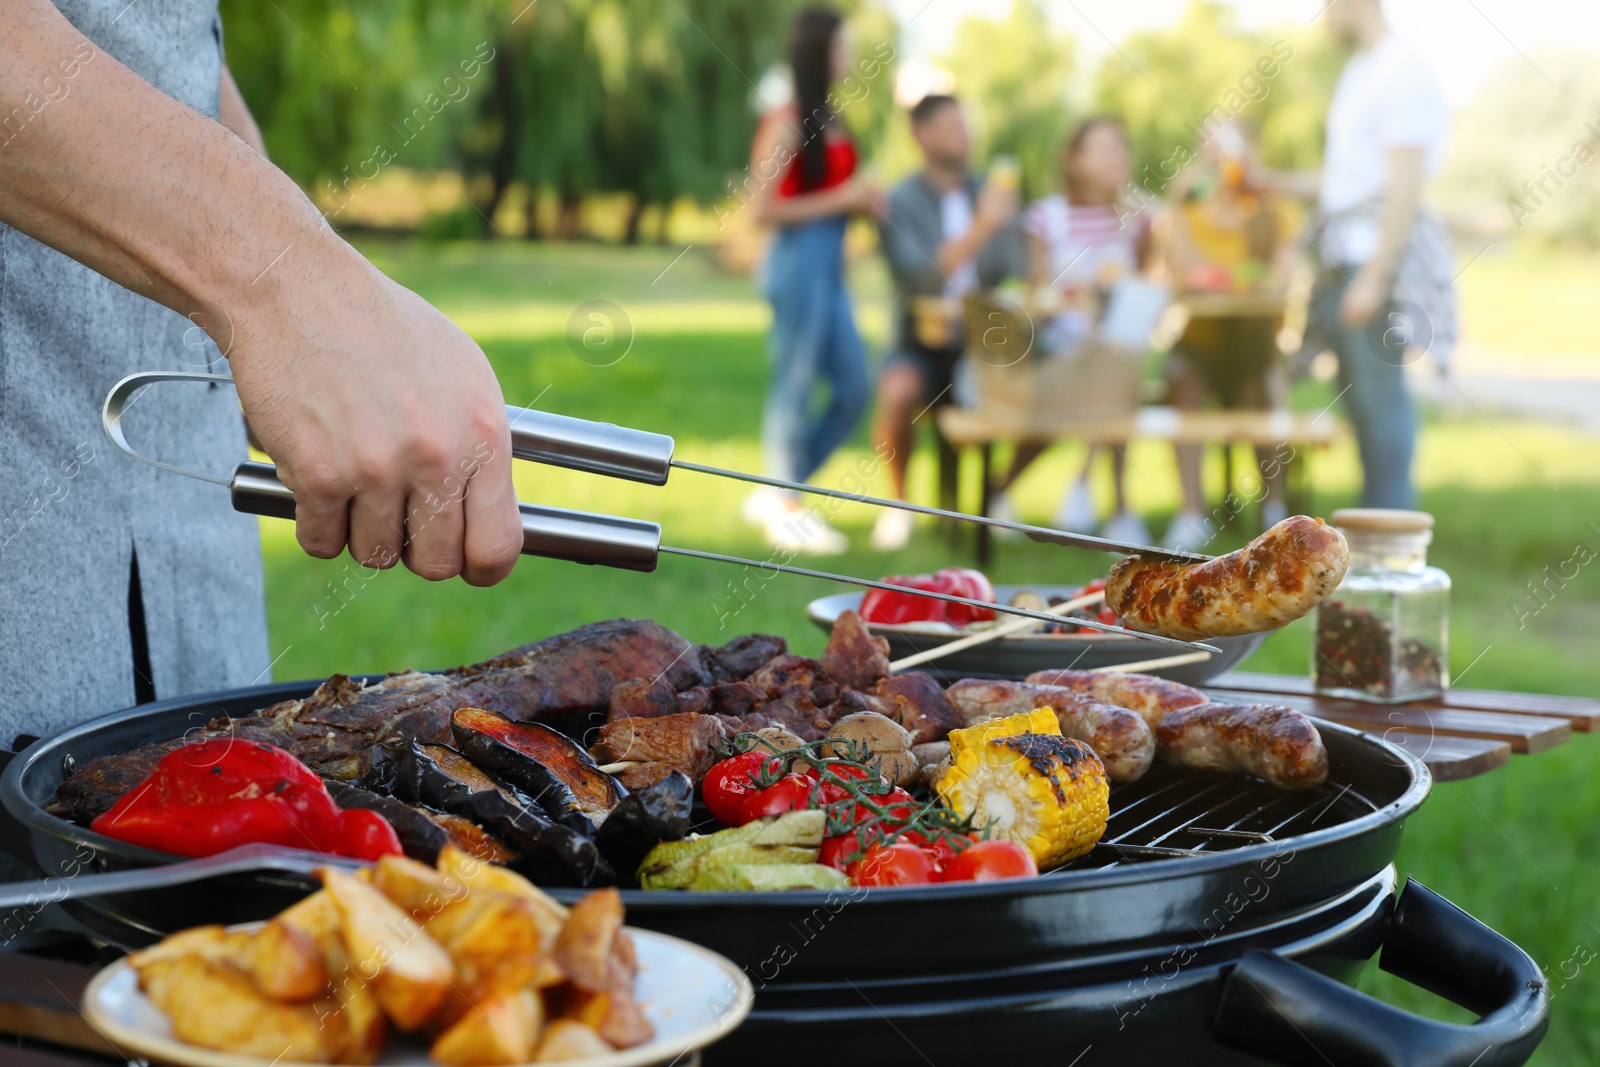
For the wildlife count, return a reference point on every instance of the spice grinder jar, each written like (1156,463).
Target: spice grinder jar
(1383,634)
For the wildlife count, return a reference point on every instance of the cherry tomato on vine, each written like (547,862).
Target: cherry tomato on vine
(990,861)
(942,849)
(897,864)
(728,784)
(839,852)
(792,792)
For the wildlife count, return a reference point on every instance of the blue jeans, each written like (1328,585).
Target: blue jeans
(813,338)
(1374,391)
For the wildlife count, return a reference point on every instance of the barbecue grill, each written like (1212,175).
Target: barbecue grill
(1267,892)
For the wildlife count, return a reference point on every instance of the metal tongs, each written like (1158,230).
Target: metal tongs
(614,541)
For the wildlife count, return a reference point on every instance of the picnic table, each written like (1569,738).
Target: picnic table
(963,428)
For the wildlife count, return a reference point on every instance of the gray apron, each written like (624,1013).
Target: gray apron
(74,511)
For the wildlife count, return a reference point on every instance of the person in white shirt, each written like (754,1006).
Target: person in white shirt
(1383,294)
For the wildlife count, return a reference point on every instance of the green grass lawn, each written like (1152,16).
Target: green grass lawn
(1517,847)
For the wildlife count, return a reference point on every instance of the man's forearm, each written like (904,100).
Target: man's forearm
(1401,202)
(141,188)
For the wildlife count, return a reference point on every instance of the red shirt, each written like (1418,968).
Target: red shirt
(840,157)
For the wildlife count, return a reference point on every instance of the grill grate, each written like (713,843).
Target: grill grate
(1171,812)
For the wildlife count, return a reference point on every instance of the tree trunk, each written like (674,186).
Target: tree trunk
(568,224)
(630,235)
(507,105)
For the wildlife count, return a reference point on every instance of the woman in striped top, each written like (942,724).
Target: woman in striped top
(1081,241)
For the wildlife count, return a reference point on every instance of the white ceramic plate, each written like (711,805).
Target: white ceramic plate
(692,996)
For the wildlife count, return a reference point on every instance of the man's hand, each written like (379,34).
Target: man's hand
(997,206)
(1367,292)
(383,417)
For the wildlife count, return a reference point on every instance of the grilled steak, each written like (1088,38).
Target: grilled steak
(854,658)
(917,702)
(334,729)
(742,656)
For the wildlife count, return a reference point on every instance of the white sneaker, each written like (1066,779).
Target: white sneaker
(1189,530)
(892,530)
(801,529)
(1000,507)
(763,505)
(1126,527)
(1076,512)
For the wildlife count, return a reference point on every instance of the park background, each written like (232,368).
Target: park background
(515,162)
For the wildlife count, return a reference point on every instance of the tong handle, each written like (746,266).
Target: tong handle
(602,448)
(554,533)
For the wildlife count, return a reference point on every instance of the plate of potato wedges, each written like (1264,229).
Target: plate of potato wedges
(466,964)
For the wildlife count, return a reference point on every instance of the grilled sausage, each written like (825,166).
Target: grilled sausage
(1146,694)
(1268,583)
(1274,743)
(1121,738)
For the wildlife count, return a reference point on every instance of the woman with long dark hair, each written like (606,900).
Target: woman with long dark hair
(802,167)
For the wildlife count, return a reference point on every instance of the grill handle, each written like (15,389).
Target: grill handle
(1288,1013)
(554,533)
(595,447)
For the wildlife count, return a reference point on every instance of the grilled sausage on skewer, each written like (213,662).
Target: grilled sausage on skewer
(1272,742)
(1268,583)
(1146,694)
(1118,736)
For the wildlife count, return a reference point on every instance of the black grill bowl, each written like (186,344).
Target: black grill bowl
(1322,843)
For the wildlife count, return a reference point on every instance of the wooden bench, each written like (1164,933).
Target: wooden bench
(974,428)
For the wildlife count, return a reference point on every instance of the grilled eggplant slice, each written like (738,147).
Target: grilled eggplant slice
(422,831)
(551,854)
(548,766)
(645,819)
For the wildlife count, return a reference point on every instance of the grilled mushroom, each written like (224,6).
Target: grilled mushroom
(886,744)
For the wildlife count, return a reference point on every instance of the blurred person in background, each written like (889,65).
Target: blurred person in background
(805,164)
(1080,242)
(1222,238)
(947,234)
(1384,284)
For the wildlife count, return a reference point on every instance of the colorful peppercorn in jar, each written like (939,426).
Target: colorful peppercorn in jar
(1383,634)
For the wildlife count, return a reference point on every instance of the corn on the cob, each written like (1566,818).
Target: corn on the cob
(1046,792)
(1037,721)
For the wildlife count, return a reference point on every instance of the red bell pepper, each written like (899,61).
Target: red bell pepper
(892,609)
(213,795)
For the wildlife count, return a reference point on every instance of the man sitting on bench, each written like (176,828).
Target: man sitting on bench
(946,235)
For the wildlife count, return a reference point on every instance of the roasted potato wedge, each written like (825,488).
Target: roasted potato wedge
(468,870)
(410,971)
(415,887)
(584,945)
(285,962)
(502,1028)
(215,1006)
(565,1040)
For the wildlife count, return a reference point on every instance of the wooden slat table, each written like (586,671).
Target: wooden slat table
(963,428)
(1468,733)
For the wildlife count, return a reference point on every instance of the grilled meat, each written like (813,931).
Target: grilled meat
(798,677)
(1150,696)
(741,657)
(917,702)
(1272,742)
(1268,583)
(645,698)
(729,698)
(681,741)
(1120,737)
(855,658)
(334,729)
